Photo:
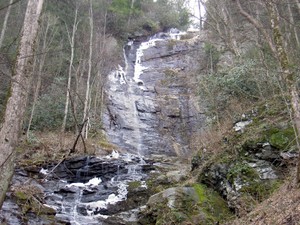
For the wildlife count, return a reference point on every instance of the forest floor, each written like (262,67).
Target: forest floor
(44,147)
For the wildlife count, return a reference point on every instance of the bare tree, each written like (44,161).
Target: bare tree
(200,14)
(5,23)
(87,100)
(16,105)
(72,44)
(288,76)
(222,22)
(292,24)
(130,13)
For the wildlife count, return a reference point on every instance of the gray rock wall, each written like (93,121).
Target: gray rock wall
(152,106)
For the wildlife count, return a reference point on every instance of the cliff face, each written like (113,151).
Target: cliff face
(152,106)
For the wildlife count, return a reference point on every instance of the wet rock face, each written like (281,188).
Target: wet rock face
(81,190)
(151,107)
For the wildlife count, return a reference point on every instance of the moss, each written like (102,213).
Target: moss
(282,139)
(171,44)
(212,204)
(20,195)
(5,101)
(200,192)
(106,145)
(133,185)
(224,158)
(29,199)
(187,36)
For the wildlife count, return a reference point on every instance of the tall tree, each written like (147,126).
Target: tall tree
(16,105)
(72,44)
(87,93)
(200,14)
(5,23)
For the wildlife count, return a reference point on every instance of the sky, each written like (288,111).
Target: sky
(194,8)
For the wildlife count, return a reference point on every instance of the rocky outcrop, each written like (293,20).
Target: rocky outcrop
(151,105)
(185,205)
(81,190)
(260,161)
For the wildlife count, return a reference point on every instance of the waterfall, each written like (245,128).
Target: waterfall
(133,119)
(94,197)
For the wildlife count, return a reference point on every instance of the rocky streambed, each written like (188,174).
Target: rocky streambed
(115,189)
(81,190)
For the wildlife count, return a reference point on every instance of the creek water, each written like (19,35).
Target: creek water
(85,190)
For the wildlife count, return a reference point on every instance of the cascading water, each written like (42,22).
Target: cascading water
(80,199)
(131,101)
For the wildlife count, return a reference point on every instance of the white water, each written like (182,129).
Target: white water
(70,207)
(138,67)
(126,89)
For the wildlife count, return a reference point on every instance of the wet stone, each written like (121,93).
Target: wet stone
(86,196)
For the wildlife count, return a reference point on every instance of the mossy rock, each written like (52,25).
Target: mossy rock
(243,171)
(212,205)
(183,205)
(28,197)
(283,139)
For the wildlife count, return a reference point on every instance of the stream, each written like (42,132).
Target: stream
(87,190)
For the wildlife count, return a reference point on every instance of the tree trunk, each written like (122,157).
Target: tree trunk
(5,23)
(288,76)
(200,15)
(130,13)
(292,24)
(87,93)
(16,105)
(298,5)
(72,44)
